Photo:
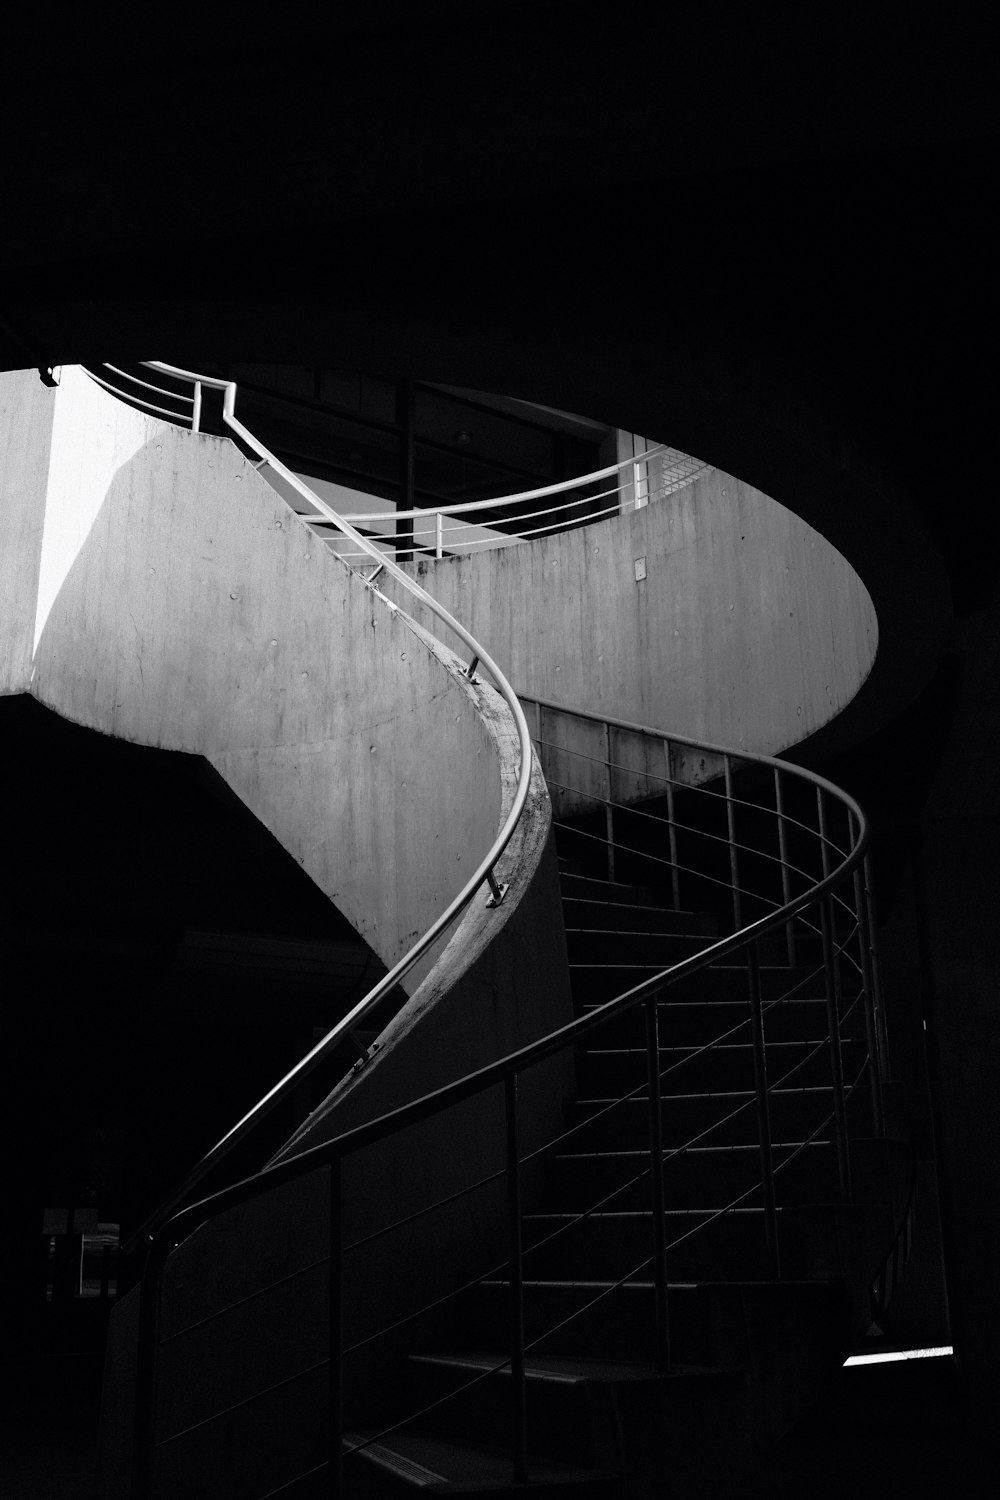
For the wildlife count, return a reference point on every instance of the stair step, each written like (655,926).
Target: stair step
(701,1177)
(701,1243)
(730,1116)
(414,1458)
(693,1022)
(596,983)
(572,1403)
(595,1317)
(563,1420)
(621,916)
(613,1071)
(608,945)
(588,888)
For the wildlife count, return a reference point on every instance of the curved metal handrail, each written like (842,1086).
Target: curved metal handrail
(505,1071)
(838,865)
(483,873)
(434,538)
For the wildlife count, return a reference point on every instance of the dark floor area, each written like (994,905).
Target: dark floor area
(48,1431)
(883,1430)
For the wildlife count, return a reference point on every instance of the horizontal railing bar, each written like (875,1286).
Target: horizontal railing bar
(175,416)
(215,381)
(558,1140)
(469,506)
(718,1213)
(227,1411)
(262,1291)
(420,1213)
(639,812)
(159,389)
(801,773)
(700,788)
(581,833)
(426,1307)
(615,1286)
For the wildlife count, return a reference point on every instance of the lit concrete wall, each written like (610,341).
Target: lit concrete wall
(26,411)
(156,589)
(748,629)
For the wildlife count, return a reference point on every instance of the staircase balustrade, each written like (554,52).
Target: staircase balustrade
(773,855)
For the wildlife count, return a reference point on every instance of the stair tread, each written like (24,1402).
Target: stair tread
(710,968)
(706,1047)
(635,1285)
(646,1213)
(641,932)
(714,1005)
(571,1369)
(440,1463)
(637,1098)
(644,1151)
(670,911)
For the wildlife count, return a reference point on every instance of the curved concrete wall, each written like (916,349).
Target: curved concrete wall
(749,628)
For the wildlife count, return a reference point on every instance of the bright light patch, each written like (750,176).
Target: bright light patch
(881,1359)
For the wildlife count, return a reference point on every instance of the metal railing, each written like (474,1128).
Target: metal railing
(773,851)
(479,659)
(807,878)
(447,530)
(443,532)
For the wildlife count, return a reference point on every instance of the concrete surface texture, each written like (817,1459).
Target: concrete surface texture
(748,628)
(159,591)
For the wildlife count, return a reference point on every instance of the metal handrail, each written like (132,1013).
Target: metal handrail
(505,1070)
(483,873)
(680,470)
(560,488)
(837,868)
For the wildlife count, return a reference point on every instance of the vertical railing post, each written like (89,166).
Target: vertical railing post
(763,1109)
(675,874)
(832,987)
(609,816)
(734,864)
(880,1031)
(639,500)
(661,1311)
(831,972)
(871,1035)
(786,883)
(335,1414)
(831,979)
(438,536)
(518,1392)
(196,408)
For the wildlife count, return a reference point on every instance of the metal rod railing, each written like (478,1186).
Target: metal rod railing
(656,1182)
(839,867)
(763,1108)
(519,1394)
(484,871)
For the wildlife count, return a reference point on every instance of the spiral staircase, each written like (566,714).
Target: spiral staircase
(622,1256)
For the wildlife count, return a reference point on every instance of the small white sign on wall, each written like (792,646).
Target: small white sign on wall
(640,569)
